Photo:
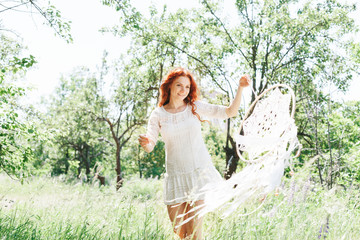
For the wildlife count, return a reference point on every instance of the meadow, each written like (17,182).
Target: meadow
(56,208)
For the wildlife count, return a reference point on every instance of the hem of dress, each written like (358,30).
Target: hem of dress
(181,200)
(195,192)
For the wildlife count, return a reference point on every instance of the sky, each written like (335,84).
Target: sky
(56,57)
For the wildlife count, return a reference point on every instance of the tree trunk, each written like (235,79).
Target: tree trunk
(119,180)
(80,162)
(330,148)
(232,158)
(86,159)
(316,137)
(67,165)
(139,162)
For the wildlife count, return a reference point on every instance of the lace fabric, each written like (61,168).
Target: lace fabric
(188,163)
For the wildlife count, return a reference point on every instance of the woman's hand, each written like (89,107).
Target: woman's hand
(143,140)
(145,143)
(245,81)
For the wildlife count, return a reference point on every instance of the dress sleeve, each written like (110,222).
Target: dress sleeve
(153,127)
(211,110)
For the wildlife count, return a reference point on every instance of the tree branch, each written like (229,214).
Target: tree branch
(291,47)
(9,8)
(225,29)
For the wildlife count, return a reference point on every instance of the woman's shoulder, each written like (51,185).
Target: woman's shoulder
(198,102)
(157,111)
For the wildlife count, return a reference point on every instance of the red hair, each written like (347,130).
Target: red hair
(164,97)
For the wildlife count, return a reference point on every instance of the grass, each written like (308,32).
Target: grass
(50,208)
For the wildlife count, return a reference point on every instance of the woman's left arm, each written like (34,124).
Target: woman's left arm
(232,110)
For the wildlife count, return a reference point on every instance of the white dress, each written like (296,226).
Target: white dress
(188,163)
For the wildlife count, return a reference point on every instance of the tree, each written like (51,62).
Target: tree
(130,102)
(274,41)
(336,142)
(77,135)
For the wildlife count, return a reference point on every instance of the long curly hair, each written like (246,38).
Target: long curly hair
(164,97)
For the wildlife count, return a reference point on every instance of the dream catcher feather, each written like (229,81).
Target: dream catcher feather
(266,141)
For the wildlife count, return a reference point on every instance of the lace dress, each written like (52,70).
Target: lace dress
(188,163)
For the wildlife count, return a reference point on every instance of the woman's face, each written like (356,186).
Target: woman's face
(180,88)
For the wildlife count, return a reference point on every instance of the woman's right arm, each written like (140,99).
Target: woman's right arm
(148,140)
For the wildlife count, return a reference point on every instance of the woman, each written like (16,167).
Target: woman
(188,163)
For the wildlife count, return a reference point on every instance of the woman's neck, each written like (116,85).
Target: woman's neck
(175,104)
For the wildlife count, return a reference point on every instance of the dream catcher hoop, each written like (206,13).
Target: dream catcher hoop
(268,126)
(266,141)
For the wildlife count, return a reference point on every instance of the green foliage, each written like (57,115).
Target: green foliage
(344,141)
(215,142)
(333,135)
(87,127)
(55,20)
(15,134)
(77,140)
(50,14)
(153,164)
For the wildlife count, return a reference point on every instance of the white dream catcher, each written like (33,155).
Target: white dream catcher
(266,141)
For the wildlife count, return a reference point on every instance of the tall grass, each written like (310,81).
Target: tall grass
(50,208)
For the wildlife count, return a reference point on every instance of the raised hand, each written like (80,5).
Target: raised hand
(245,80)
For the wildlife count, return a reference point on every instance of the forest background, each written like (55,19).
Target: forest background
(86,130)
